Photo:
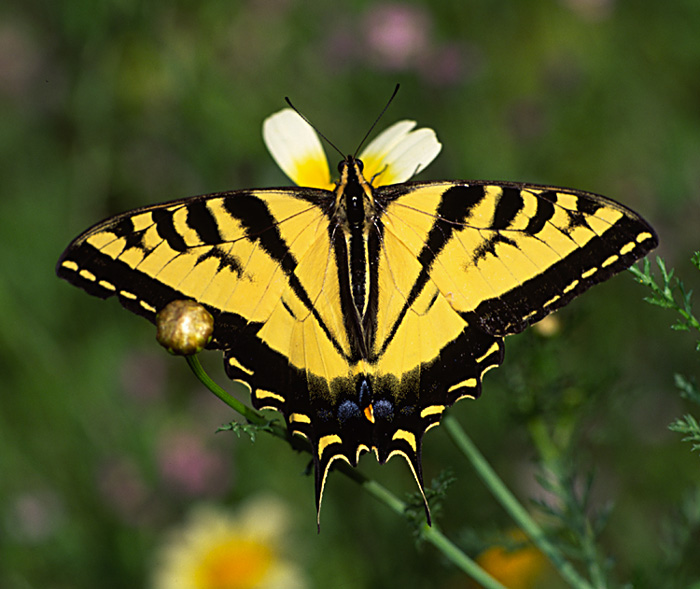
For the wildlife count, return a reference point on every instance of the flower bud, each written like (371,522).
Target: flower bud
(184,327)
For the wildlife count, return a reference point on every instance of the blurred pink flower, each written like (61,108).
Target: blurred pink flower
(124,489)
(397,35)
(34,516)
(187,466)
(591,10)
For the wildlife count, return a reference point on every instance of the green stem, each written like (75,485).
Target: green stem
(242,409)
(510,503)
(434,536)
(431,533)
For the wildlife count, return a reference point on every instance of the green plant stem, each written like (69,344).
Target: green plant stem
(242,409)
(431,533)
(510,503)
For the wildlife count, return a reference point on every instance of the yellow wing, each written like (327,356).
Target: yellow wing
(463,264)
(260,261)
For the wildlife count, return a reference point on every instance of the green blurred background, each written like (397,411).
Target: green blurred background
(106,441)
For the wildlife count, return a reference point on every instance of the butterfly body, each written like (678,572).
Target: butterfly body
(363,312)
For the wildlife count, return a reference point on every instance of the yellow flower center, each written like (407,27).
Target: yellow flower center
(312,172)
(236,564)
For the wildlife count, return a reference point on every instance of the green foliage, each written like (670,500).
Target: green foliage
(249,429)
(575,529)
(670,293)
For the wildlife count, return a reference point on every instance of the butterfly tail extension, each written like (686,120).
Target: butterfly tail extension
(406,443)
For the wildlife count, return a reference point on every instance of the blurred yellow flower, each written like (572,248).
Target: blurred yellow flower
(549,326)
(520,567)
(217,549)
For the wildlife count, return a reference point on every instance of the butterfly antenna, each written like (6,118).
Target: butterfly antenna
(381,114)
(308,122)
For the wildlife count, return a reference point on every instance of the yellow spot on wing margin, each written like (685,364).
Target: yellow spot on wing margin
(402,434)
(87,275)
(610,260)
(148,307)
(491,350)
(299,417)
(590,272)
(571,287)
(326,441)
(470,382)
(263,394)
(554,299)
(643,236)
(627,248)
(70,265)
(433,409)
(236,364)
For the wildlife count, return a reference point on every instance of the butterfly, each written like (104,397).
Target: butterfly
(361,309)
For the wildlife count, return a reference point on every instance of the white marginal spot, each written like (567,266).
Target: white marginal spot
(610,260)
(87,275)
(470,382)
(589,273)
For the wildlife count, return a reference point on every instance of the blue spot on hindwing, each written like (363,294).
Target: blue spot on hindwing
(347,410)
(384,409)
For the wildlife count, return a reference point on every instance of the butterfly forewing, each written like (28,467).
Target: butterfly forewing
(506,255)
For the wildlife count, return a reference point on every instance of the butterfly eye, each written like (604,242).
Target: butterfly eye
(360,165)
(341,165)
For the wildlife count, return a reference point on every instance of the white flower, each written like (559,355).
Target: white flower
(217,549)
(392,157)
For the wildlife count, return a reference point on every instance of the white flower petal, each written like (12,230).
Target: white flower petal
(296,148)
(399,153)
(388,138)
